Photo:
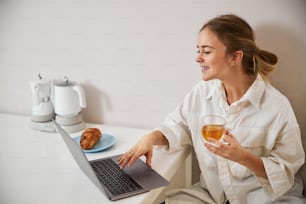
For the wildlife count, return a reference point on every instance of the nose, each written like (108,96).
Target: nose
(199,58)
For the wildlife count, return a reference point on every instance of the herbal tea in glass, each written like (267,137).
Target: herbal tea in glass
(212,127)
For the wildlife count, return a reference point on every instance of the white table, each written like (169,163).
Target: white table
(36,167)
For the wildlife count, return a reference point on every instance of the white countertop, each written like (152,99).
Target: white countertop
(36,166)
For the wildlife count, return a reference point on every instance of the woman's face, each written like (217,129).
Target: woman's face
(212,57)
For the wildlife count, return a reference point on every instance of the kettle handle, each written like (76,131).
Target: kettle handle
(81,94)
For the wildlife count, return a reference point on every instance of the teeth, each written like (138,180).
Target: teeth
(203,68)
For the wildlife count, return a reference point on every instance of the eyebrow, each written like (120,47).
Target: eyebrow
(204,46)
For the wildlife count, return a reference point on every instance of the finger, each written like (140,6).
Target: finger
(228,133)
(132,160)
(226,140)
(124,159)
(211,147)
(122,162)
(121,158)
(213,142)
(217,147)
(149,158)
(227,137)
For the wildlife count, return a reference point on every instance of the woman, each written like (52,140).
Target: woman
(261,151)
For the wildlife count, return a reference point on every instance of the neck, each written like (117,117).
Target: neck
(237,87)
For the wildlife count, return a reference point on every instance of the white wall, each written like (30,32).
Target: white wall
(135,58)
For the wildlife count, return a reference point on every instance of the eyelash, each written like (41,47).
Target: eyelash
(207,52)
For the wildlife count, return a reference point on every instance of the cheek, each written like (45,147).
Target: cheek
(219,62)
(216,62)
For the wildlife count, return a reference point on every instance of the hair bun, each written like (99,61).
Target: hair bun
(268,57)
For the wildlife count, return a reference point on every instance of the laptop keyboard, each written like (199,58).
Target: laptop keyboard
(114,178)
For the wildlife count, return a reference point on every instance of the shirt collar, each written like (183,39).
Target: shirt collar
(253,94)
(215,88)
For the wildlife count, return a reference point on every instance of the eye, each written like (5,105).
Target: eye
(204,52)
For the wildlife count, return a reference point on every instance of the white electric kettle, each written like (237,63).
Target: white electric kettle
(42,110)
(69,98)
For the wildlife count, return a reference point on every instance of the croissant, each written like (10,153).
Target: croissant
(90,137)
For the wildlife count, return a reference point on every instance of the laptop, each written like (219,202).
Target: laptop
(106,174)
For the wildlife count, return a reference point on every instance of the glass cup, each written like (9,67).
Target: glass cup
(213,126)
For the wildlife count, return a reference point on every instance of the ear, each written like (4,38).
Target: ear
(236,57)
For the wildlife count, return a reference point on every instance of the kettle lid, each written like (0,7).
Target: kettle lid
(64,82)
(41,80)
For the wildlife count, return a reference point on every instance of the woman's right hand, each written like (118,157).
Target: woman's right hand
(143,147)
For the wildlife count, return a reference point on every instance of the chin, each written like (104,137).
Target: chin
(205,78)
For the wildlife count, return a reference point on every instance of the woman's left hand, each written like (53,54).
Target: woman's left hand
(229,148)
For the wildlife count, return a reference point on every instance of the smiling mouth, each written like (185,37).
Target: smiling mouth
(203,68)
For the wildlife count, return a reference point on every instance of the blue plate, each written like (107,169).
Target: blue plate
(104,143)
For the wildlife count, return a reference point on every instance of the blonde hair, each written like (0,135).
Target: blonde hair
(237,34)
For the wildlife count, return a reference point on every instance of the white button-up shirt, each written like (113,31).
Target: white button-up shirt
(262,121)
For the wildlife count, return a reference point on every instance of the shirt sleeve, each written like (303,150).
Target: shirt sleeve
(176,125)
(283,163)
(175,129)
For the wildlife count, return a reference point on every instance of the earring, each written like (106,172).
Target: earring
(254,64)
